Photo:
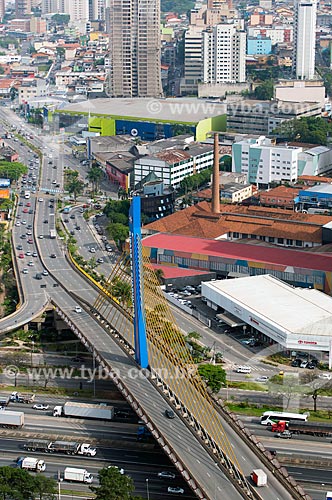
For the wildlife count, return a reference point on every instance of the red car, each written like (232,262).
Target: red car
(29,204)
(21,255)
(25,210)
(30,241)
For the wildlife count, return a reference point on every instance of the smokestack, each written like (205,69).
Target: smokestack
(215,177)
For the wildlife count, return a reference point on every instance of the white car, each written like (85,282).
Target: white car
(263,378)
(117,468)
(45,272)
(17,223)
(40,199)
(175,489)
(325,376)
(25,270)
(40,407)
(92,250)
(78,309)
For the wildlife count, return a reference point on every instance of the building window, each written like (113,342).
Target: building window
(271,239)
(289,242)
(236,235)
(280,241)
(299,243)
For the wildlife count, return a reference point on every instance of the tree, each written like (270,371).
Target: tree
(265,91)
(309,129)
(113,207)
(122,291)
(75,187)
(44,487)
(61,19)
(94,176)
(12,170)
(118,232)
(159,275)
(285,387)
(113,485)
(214,376)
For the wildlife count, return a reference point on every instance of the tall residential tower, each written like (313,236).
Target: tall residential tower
(134,27)
(304,39)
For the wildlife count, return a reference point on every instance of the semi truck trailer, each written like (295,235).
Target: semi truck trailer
(11,419)
(30,463)
(66,447)
(309,428)
(78,475)
(259,477)
(84,410)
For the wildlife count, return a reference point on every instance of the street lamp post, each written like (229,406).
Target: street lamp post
(147,489)
(59,485)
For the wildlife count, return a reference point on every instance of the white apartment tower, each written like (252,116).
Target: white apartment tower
(52,6)
(134,27)
(304,39)
(97,9)
(78,10)
(224,54)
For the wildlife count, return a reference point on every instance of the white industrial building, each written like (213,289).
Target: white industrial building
(295,318)
(264,162)
(224,54)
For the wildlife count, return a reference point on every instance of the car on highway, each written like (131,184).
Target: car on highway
(21,255)
(19,247)
(169,414)
(41,236)
(262,378)
(40,199)
(34,254)
(28,253)
(53,256)
(30,241)
(92,250)
(45,221)
(78,309)
(119,469)
(284,435)
(39,276)
(45,272)
(166,475)
(17,223)
(66,221)
(175,489)
(25,270)
(100,260)
(40,407)
(23,236)
(25,210)
(72,216)
(31,263)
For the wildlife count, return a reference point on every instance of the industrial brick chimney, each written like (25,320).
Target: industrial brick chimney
(215,177)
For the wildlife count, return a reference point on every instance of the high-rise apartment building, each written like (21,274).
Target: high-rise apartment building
(78,10)
(134,48)
(97,9)
(2,9)
(50,6)
(22,8)
(224,54)
(304,39)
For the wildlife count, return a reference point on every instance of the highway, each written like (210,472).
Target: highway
(192,454)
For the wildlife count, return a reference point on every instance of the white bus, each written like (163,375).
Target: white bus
(270,417)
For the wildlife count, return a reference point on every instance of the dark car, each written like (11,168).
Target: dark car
(296,363)
(169,414)
(53,256)
(72,216)
(45,221)
(39,276)
(78,228)
(72,233)
(66,220)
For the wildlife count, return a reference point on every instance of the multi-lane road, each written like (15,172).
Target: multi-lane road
(193,456)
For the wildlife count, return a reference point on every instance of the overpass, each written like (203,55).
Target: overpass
(206,461)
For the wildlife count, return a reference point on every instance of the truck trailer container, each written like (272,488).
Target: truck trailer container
(21,397)
(11,418)
(66,447)
(84,410)
(259,477)
(30,463)
(78,475)
(309,428)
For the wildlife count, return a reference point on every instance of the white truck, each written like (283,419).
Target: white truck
(13,419)
(30,463)
(84,410)
(259,477)
(78,475)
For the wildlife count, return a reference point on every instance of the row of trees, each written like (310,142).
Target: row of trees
(18,484)
(117,212)
(12,170)
(314,130)
(76,187)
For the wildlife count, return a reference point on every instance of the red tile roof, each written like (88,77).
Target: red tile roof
(177,272)
(230,250)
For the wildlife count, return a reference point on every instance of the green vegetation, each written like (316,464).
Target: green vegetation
(178,6)
(213,375)
(117,212)
(7,282)
(8,40)
(265,91)
(61,19)
(114,486)
(309,129)
(72,183)
(94,176)
(246,408)
(248,386)
(12,170)
(18,484)
(194,182)
(121,290)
